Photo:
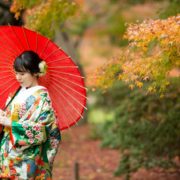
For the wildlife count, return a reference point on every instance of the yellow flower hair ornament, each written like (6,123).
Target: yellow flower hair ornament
(43,68)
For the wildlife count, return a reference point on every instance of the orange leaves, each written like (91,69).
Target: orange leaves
(44,16)
(19,5)
(15,8)
(105,76)
(157,43)
(48,16)
(152,53)
(167,32)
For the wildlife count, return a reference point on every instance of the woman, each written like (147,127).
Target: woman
(31,136)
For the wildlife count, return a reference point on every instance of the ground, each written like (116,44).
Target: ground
(95,163)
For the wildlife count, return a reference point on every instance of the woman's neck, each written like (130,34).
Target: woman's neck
(32,85)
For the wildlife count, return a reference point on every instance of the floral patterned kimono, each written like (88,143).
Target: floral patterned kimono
(28,148)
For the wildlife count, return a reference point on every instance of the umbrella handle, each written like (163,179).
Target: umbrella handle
(1,133)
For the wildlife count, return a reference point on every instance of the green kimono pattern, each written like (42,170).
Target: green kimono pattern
(28,148)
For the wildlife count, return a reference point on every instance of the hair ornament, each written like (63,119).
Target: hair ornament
(43,68)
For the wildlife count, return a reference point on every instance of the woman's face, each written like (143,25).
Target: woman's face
(26,79)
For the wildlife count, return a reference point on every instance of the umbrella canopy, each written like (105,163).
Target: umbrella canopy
(63,79)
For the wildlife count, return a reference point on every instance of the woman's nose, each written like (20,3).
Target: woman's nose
(18,77)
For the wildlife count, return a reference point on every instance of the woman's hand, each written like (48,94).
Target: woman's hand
(3,119)
(2,113)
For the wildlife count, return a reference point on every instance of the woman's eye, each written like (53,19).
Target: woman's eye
(20,73)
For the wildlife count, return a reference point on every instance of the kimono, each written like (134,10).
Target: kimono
(29,146)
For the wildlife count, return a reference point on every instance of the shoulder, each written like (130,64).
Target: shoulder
(40,90)
(43,93)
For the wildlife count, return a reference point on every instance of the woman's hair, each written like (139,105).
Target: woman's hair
(28,61)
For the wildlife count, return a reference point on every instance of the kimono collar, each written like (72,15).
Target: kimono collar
(25,93)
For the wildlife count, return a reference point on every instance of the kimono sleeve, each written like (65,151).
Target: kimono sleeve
(32,130)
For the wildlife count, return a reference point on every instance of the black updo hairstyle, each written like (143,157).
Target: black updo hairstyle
(27,61)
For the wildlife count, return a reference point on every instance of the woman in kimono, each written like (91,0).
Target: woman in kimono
(31,136)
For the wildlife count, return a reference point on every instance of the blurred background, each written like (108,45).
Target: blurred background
(128,52)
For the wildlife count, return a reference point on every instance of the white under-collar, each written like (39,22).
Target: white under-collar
(24,93)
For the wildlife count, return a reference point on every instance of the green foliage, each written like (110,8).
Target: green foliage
(111,74)
(130,1)
(153,52)
(172,9)
(48,17)
(134,2)
(28,3)
(116,29)
(44,16)
(80,24)
(145,127)
(18,6)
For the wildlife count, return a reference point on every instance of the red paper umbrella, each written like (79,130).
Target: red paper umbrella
(63,79)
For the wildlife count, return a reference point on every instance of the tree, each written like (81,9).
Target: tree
(44,16)
(144,127)
(6,17)
(152,53)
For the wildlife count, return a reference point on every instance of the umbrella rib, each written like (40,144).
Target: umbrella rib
(70,82)
(17,37)
(12,53)
(68,113)
(67,73)
(47,42)
(64,111)
(7,59)
(71,115)
(7,37)
(71,105)
(2,103)
(72,97)
(6,71)
(9,72)
(5,67)
(65,58)
(5,77)
(36,42)
(25,36)
(59,67)
(6,82)
(7,87)
(70,88)
(53,52)
(63,107)
(8,63)
(8,55)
